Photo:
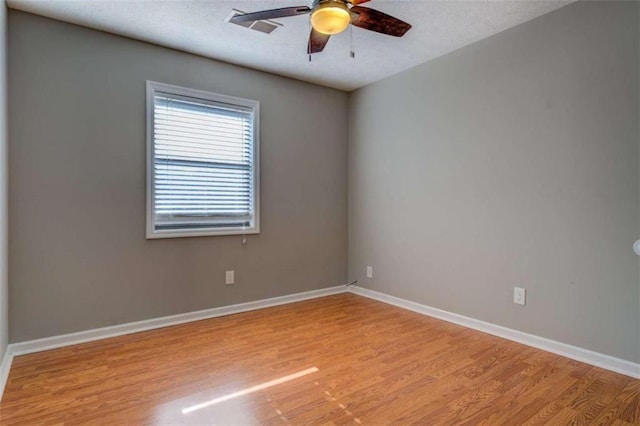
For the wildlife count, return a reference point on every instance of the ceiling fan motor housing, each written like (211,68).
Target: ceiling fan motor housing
(330,16)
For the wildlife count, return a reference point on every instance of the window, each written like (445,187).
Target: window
(202,163)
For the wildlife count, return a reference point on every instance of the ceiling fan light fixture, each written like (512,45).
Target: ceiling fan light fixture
(330,17)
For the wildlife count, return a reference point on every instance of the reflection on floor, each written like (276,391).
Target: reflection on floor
(270,407)
(247,391)
(342,359)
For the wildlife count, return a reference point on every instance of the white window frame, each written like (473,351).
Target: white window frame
(152,232)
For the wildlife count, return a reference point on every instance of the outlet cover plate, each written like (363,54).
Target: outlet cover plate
(519,296)
(229,277)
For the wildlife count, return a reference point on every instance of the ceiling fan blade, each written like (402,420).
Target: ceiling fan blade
(357,2)
(271,14)
(317,42)
(374,20)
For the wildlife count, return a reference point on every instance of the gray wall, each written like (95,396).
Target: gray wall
(510,162)
(78,254)
(4,186)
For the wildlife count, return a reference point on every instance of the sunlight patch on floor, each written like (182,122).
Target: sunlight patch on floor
(250,390)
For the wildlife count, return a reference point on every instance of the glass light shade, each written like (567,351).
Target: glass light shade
(330,18)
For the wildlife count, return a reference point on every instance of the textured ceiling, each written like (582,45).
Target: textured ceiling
(199,27)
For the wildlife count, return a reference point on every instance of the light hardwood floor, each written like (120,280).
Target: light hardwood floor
(376,364)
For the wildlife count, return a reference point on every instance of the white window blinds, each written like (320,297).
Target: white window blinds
(203,167)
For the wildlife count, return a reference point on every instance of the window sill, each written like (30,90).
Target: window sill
(154,235)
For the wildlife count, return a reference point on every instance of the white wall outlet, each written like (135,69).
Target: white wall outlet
(369,271)
(519,295)
(229,277)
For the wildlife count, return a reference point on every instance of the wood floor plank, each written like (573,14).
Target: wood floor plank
(376,364)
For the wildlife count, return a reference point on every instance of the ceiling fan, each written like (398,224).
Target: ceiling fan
(329,17)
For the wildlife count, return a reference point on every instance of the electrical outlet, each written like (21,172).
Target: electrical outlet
(229,277)
(369,271)
(519,296)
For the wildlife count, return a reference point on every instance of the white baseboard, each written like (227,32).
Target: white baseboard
(47,343)
(607,362)
(5,366)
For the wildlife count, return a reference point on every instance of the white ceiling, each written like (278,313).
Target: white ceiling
(199,27)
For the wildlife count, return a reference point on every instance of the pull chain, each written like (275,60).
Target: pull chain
(351,53)
(309,42)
